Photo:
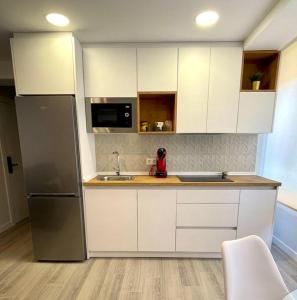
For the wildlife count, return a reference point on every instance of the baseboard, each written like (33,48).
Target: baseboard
(5,226)
(288,250)
(153,254)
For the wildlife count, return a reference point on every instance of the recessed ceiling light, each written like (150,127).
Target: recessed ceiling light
(57,19)
(207,18)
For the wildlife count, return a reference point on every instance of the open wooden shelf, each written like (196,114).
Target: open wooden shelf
(265,62)
(156,107)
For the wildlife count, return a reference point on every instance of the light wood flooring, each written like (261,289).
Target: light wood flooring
(23,278)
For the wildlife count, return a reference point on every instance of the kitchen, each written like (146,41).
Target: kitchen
(143,155)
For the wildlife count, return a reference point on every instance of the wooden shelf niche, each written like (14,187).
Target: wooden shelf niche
(265,62)
(156,107)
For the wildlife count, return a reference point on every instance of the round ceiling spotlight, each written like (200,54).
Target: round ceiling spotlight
(57,19)
(207,18)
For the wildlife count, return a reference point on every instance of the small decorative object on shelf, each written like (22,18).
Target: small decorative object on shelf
(167,126)
(256,80)
(159,126)
(144,126)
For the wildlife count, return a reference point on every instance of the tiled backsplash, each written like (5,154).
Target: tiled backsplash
(185,153)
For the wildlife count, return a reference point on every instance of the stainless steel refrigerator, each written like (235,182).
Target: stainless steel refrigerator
(49,145)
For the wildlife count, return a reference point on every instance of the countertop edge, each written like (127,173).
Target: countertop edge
(239,181)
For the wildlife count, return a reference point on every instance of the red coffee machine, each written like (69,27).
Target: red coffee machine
(161,163)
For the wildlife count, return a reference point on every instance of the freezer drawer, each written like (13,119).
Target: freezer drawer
(57,228)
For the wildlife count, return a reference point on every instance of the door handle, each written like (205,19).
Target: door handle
(10,164)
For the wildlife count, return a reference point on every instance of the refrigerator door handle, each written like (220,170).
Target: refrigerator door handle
(52,195)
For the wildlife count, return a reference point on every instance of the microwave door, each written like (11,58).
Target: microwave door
(111,115)
(106,115)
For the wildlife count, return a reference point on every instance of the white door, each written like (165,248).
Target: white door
(10,149)
(193,80)
(157,69)
(256,213)
(156,220)
(43,63)
(111,219)
(224,87)
(256,111)
(110,72)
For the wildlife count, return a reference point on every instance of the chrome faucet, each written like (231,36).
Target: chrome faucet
(118,169)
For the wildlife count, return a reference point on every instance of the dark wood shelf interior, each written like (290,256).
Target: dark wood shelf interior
(265,62)
(157,107)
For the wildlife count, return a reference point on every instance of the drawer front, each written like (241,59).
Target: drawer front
(202,240)
(207,215)
(208,196)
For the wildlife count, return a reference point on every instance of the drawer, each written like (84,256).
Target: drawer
(202,240)
(208,196)
(207,215)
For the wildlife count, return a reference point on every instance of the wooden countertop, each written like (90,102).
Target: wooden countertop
(238,180)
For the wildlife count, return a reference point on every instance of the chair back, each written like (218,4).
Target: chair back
(250,272)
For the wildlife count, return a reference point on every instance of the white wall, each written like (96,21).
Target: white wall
(6,71)
(279,151)
(86,140)
(281,146)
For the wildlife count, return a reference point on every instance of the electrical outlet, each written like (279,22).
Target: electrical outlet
(150,161)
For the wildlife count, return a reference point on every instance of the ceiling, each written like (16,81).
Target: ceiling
(133,20)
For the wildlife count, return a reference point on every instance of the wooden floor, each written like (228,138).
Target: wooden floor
(22,278)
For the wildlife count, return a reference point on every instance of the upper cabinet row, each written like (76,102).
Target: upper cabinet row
(205,81)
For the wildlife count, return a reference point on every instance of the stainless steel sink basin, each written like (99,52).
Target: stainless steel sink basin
(115,178)
(199,178)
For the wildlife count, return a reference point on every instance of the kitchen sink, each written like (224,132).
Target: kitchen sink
(115,178)
(202,178)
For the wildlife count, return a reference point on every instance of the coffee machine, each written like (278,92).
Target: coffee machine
(161,171)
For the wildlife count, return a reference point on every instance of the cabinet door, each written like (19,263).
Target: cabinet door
(193,79)
(110,72)
(224,86)
(256,110)
(256,213)
(157,69)
(43,63)
(156,220)
(111,219)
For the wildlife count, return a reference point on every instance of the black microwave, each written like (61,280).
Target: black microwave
(111,115)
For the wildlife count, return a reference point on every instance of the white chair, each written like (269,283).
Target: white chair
(250,272)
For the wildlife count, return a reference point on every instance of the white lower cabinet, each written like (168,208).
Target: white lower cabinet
(202,239)
(256,214)
(156,220)
(180,220)
(111,219)
(207,215)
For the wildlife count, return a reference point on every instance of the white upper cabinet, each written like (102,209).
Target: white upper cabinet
(110,72)
(157,69)
(193,80)
(43,63)
(224,87)
(256,111)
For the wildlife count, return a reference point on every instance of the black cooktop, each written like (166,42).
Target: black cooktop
(203,178)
